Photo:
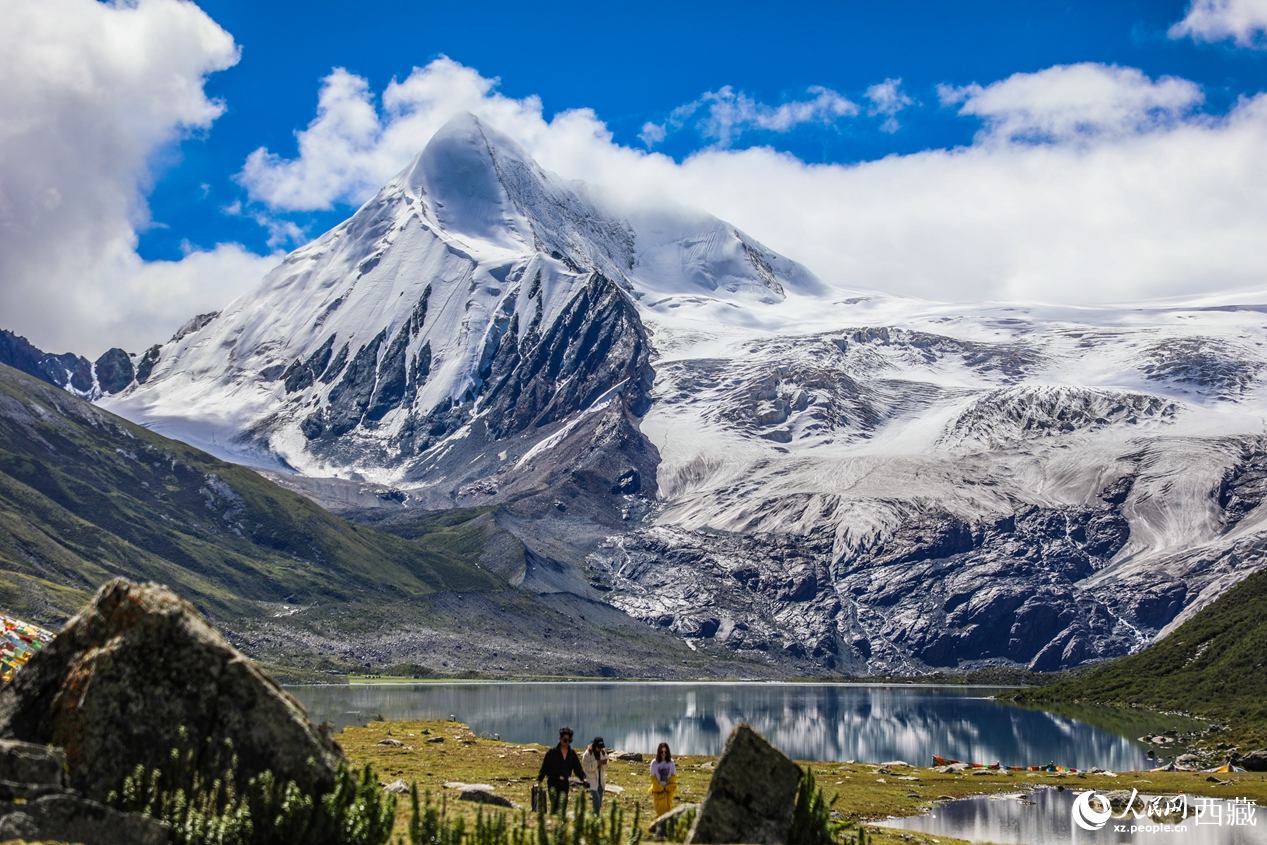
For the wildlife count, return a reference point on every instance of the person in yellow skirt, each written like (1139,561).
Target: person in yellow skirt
(663,780)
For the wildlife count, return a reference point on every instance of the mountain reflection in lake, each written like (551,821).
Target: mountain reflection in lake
(870,723)
(1045,816)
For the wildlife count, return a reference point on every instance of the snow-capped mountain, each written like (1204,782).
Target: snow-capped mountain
(682,422)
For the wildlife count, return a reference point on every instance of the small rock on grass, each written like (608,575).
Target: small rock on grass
(435,739)
(399,787)
(392,742)
(482,793)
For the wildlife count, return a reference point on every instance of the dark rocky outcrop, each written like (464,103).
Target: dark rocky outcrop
(116,687)
(751,796)
(111,373)
(28,771)
(595,344)
(114,371)
(1206,364)
(302,374)
(1254,761)
(68,818)
(146,364)
(36,804)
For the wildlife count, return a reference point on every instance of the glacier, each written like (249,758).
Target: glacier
(678,421)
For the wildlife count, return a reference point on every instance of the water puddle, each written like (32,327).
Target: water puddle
(1045,816)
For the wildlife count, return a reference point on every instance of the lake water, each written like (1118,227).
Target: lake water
(830,722)
(1045,816)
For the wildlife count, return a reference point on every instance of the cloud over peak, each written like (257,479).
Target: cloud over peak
(1087,183)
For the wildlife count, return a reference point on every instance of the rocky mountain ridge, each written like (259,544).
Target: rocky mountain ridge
(678,421)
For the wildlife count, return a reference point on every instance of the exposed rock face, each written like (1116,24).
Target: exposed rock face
(114,371)
(939,591)
(110,373)
(124,676)
(751,796)
(35,804)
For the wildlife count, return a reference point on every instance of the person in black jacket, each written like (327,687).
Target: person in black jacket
(560,762)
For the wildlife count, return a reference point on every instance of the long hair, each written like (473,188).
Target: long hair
(668,756)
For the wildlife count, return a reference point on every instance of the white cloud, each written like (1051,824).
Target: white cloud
(888,99)
(1088,184)
(723,116)
(1242,21)
(349,150)
(652,134)
(1075,103)
(89,92)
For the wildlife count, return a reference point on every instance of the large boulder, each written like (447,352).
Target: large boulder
(751,796)
(140,672)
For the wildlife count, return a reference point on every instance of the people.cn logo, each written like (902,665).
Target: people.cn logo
(1087,818)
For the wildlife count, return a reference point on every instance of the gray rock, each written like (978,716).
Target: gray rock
(627,756)
(483,794)
(69,818)
(397,787)
(115,687)
(392,742)
(751,796)
(1255,761)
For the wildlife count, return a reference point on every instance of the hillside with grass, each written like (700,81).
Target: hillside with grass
(86,496)
(1213,666)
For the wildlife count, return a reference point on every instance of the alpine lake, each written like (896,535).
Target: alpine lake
(829,722)
(868,723)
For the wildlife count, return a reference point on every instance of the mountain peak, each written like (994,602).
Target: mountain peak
(458,174)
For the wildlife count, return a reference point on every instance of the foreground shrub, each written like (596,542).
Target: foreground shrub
(812,822)
(202,811)
(430,824)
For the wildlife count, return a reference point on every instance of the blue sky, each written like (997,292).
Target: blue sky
(161,154)
(632,67)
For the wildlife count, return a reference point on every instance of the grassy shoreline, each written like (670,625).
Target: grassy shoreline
(866,794)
